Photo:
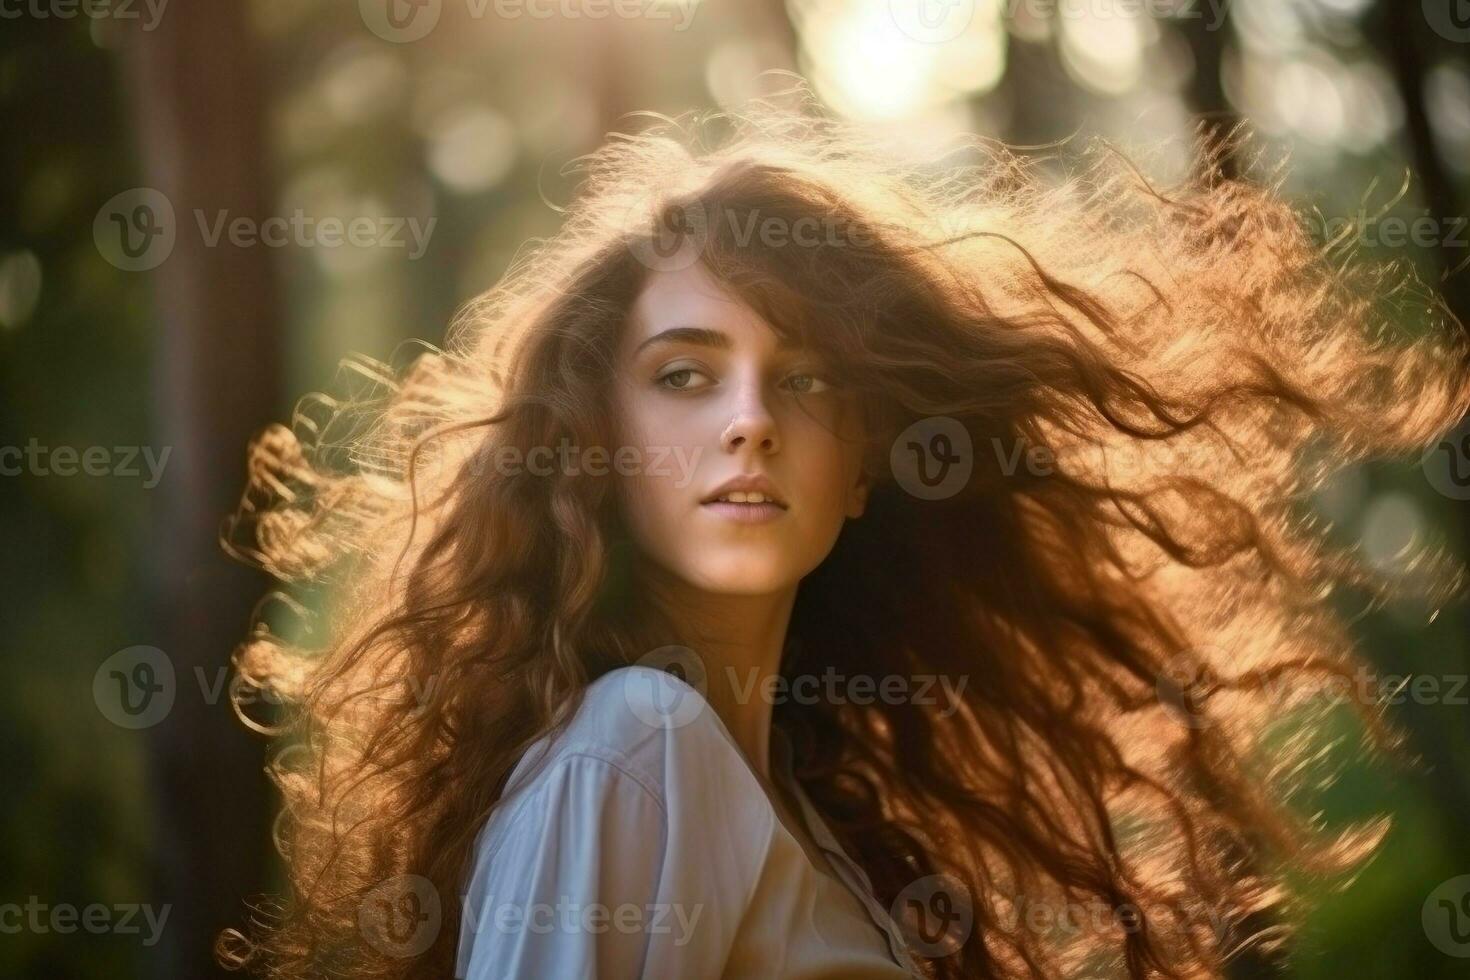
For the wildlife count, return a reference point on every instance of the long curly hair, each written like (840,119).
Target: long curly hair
(1146,384)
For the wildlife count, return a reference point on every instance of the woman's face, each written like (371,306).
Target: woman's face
(704,394)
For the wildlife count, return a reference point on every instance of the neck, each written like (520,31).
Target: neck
(739,640)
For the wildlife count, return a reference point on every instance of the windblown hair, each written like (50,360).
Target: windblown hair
(1152,382)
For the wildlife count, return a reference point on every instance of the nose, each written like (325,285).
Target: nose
(751,425)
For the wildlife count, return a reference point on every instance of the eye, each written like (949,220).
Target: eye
(678,379)
(806,383)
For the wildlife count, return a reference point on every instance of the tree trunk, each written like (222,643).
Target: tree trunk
(196,99)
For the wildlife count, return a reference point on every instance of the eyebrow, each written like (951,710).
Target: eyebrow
(703,337)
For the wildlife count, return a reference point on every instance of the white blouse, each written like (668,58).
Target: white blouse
(642,844)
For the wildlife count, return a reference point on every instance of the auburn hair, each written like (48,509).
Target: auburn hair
(1151,380)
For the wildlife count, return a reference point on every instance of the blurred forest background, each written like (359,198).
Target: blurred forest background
(463,113)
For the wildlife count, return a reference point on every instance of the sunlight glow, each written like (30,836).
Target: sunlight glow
(1106,53)
(868,65)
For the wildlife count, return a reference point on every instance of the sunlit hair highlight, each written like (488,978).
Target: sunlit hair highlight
(1129,616)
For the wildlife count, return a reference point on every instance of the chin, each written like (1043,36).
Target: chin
(743,575)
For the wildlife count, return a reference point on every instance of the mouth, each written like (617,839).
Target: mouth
(745,511)
(748,498)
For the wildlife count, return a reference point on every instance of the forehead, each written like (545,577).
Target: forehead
(692,297)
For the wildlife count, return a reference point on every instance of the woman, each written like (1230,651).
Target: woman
(960,508)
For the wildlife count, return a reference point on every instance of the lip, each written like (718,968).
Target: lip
(746,513)
(749,483)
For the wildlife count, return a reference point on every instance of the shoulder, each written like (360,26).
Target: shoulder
(641,798)
(644,758)
(640,729)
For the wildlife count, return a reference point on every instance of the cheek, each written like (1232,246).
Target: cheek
(654,486)
(827,466)
(650,425)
